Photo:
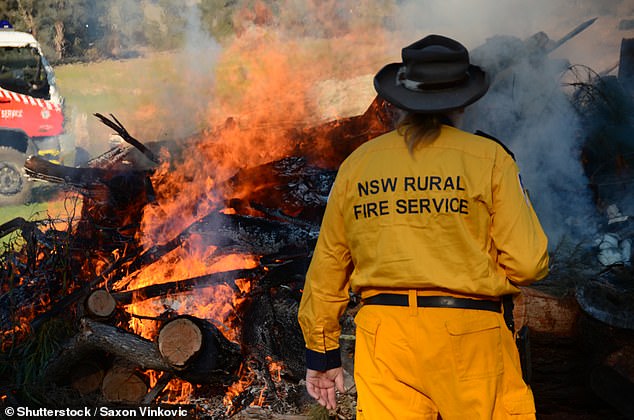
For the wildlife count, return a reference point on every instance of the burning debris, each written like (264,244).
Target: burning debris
(140,332)
(174,284)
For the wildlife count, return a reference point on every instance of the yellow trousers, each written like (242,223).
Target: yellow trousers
(437,363)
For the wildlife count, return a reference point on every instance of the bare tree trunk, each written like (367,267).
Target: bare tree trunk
(58,40)
(27,15)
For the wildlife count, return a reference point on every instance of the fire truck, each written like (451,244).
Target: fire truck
(31,112)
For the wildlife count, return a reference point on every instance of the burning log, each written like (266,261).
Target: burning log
(197,350)
(246,234)
(160,385)
(215,362)
(296,189)
(181,286)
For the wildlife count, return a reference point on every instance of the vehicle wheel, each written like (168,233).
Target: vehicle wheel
(15,188)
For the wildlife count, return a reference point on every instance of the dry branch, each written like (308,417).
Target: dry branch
(187,285)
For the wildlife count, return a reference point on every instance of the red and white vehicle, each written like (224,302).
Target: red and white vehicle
(31,114)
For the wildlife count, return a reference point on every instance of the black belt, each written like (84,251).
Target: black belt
(434,302)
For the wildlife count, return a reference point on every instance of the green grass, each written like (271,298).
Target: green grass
(160,96)
(49,203)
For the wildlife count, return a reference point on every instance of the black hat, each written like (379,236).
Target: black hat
(435,76)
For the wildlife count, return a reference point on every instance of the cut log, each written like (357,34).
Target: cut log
(197,350)
(179,341)
(95,336)
(100,304)
(87,375)
(546,313)
(218,361)
(124,384)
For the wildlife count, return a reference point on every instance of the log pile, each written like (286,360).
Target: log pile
(102,356)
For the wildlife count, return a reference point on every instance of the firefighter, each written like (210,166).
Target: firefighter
(431,226)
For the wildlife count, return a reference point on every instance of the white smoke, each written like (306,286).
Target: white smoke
(526,107)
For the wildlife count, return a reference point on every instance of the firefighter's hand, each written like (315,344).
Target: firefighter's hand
(321,386)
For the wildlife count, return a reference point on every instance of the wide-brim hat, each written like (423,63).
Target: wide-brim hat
(435,76)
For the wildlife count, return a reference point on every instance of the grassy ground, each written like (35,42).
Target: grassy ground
(48,203)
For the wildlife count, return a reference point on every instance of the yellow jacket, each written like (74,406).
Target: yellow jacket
(454,216)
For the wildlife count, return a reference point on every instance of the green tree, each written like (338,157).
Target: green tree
(217,16)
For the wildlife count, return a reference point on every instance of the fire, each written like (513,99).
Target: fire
(266,86)
(215,303)
(275,369)
(249,375)
(265,89)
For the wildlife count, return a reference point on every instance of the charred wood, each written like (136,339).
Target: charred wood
(626,64)
(114,198)
(327,145)
(290,185)
(18,223)
(322,148)
(270,328)
(187,285)
(121,131)
(253,235)
(262,236)
(614,388)
(158,388)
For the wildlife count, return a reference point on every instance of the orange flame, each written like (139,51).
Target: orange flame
(264,95)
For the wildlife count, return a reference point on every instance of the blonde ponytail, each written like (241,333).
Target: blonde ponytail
(419,129)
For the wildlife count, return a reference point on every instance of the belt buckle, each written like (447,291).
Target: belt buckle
(447,301)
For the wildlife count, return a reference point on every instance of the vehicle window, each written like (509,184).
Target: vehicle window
(22,71)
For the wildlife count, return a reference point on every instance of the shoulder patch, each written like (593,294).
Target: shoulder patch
(490,137)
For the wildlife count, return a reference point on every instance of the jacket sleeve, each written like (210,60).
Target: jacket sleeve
(517,234)
(326,290)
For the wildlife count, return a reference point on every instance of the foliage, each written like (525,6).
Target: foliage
(71,30)
(23,365)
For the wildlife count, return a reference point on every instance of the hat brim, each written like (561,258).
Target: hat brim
(433,100)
